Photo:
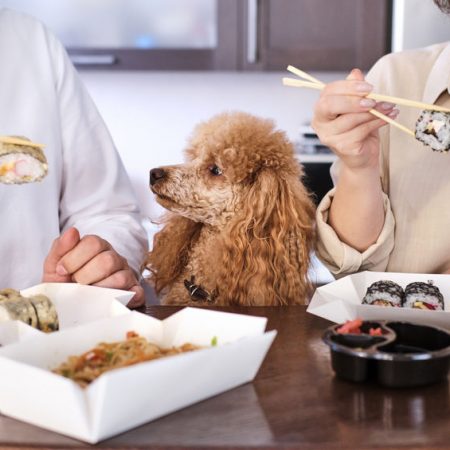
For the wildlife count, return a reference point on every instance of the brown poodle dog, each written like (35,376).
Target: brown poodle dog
(240,230)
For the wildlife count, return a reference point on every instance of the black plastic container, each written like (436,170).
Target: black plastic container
(405,355)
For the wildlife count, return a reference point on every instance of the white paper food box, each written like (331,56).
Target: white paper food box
(340,300)
(125,398)
(75,304)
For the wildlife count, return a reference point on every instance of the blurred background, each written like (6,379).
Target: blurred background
(156,68)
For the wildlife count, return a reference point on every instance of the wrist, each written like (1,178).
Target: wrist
(360,176)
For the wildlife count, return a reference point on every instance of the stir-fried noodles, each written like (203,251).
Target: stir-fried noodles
(87,367)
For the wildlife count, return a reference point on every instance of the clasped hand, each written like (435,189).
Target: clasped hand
(90,260)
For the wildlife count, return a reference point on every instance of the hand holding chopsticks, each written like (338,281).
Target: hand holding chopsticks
(314,83)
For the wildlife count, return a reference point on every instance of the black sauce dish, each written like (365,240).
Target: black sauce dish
(403,354)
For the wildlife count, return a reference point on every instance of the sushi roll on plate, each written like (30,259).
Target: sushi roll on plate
(433,129)
(37,311)
(423,296)
(384,293)
(21,161)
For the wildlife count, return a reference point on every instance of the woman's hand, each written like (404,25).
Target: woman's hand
(343,122)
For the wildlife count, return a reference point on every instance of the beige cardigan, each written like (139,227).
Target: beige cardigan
(416,233)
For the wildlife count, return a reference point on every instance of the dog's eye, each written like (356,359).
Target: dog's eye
(215,170)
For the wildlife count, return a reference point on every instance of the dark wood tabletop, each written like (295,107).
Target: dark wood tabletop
(294,402)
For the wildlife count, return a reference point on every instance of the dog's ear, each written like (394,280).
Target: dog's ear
(268,252)
(171,246)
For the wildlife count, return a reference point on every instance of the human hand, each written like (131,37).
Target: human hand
(343,122)
(90,260)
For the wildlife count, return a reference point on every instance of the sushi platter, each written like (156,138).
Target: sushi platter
(418,298)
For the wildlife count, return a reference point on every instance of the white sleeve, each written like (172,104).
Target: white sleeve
(97,196)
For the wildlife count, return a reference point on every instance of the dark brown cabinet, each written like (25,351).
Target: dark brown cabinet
(219,34)
(314,34)
(323,34)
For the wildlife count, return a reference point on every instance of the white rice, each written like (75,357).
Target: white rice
(433,129)
(17,168)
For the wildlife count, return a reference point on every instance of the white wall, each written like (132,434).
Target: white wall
(151,114)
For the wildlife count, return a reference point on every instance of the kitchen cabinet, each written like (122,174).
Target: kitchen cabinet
(320,34)
(217,34)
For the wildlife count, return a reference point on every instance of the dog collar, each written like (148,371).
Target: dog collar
(197,293)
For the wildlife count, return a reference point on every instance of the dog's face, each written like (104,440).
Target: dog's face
(200,190)
(225,156)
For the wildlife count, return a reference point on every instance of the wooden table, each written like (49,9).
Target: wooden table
(294,402)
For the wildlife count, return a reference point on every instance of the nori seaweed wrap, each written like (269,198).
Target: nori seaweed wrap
(384,293)
(433,129)
(423,296)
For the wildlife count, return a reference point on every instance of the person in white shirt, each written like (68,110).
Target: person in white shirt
(81,223)
(389,208)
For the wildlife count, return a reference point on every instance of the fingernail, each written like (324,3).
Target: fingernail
(367,103)
(61,270)
(393,114)
(363,87)
(386,105)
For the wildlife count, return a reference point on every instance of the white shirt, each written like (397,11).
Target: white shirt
(42,98)
(415,179)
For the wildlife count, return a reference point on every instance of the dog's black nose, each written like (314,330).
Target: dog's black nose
(156,175)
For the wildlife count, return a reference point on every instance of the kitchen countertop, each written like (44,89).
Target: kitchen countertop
(294,402)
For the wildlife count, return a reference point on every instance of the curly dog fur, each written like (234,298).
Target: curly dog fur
(240,228)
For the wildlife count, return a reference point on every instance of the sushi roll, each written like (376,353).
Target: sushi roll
(423,296)
(15,307)
(46,313)
(384,293)
(21,161)
(37,311)
(433,129)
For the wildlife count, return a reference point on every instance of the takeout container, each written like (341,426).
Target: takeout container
(341,300)
(127,397)
(405,355)
(75,304)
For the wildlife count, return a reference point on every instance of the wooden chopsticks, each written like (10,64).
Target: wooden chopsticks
(18,141)
(378,97)
(314,83)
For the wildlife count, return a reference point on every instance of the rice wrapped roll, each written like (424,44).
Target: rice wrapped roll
(15,307)
(423,296)
(37,311)
(21,161)
(433,129)
(384,293)
(46,313)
